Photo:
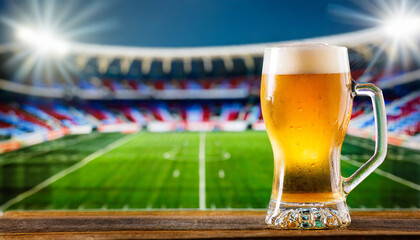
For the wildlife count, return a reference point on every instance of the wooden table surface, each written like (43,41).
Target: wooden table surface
(75,225)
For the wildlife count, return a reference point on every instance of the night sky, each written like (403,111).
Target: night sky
(181,23)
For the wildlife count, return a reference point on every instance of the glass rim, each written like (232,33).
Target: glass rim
(304,45)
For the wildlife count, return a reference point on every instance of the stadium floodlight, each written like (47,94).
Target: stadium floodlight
(402,26)
(42,41)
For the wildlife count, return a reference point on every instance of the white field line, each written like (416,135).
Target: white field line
(58,146)
(372,148)
(385,174)
(202,170)
(357,143)
(66,171)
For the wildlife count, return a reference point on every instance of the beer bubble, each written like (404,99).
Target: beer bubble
(300,109)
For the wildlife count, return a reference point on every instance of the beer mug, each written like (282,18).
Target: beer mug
(306,99)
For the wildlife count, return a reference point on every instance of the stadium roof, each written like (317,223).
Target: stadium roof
(164,59)
(119,62)
(347,39)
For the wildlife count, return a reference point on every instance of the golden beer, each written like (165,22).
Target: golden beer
(306,101)
(306,116)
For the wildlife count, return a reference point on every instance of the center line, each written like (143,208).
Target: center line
(202,170)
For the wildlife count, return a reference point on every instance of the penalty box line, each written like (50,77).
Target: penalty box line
(45,151)
(384,174)
(66,171)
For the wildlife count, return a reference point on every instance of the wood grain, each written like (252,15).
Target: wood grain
(195,224)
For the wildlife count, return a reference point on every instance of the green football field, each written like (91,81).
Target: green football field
(216,170)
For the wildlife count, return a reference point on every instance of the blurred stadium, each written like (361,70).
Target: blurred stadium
(119,127)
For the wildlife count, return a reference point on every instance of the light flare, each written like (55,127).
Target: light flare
(398,23)
(43,41)
(45,30)
(402,27)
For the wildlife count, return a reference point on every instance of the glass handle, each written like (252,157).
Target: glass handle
(378,157)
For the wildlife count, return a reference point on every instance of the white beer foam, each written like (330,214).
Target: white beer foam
(305,58)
